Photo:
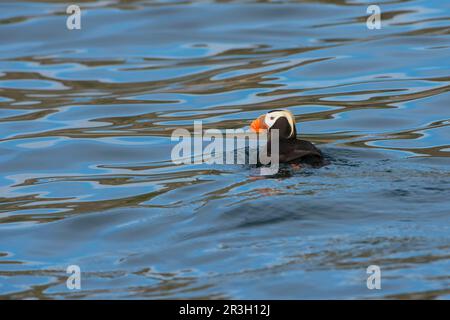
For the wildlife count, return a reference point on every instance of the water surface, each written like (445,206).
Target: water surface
(86,176)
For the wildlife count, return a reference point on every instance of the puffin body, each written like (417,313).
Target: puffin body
(291,149)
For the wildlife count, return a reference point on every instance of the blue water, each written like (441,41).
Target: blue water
(87,179)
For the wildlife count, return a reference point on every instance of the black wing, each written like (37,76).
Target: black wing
(300,151)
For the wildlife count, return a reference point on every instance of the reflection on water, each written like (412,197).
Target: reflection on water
(85,124)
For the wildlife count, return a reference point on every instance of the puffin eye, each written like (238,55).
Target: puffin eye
(271,118)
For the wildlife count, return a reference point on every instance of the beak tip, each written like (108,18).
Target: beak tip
(258,125)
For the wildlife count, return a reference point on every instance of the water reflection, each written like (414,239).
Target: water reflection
(85,124)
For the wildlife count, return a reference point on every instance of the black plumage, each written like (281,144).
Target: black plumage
(293,150)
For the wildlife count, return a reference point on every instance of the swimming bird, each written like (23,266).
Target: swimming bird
(291,149)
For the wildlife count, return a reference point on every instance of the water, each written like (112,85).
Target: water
(86,177)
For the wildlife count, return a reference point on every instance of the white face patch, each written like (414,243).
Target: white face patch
(272,117)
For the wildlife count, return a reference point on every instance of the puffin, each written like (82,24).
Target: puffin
(291,150)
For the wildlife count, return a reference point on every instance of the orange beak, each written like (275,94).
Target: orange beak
(258,125)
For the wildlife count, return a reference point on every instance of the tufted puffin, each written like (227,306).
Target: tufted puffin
(291,149)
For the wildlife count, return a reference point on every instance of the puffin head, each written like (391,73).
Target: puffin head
(283,120)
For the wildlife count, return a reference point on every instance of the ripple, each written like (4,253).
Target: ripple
(85,123)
